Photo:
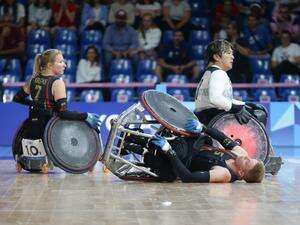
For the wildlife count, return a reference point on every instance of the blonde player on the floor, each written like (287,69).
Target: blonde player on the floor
(209,164)
(194,159)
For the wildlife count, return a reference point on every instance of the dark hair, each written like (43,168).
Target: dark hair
(92,3)
(37,2)
(217,47)
(142,2)
(14,8)
(97,58)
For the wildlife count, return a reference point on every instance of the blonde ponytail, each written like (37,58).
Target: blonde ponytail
(37,66)
(42,59)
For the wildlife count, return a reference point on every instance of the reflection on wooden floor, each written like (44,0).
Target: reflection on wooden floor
(97,198)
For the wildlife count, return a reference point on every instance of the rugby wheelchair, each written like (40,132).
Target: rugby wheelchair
(70,145)
(160,113)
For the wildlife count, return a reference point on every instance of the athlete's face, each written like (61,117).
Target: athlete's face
(245,163)
(225,61)
(59,65)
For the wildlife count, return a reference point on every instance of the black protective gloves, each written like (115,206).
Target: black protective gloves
(241,113)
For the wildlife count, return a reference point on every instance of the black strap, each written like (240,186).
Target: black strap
(212,69)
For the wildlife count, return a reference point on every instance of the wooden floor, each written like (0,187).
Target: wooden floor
(97,198)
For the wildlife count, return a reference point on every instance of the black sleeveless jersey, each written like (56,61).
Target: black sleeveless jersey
(205,160)
(41,93)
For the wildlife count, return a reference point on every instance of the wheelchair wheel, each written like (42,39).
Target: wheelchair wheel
(17,151)
(72,145)
(251,136)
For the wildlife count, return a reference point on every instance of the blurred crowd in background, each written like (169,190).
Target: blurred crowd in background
(151,41)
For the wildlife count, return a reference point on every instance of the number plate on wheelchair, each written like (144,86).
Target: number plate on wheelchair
(33,148)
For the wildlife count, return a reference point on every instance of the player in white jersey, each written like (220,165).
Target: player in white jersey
(214,92)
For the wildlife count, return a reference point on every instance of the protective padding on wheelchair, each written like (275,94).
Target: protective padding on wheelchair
(166,109)
(17,140)
(251,136)
(72,145)
(17,151)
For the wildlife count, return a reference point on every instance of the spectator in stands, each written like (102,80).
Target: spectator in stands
(219,28)
(14,8)
(283,19)
(149,37)
(39,15)
(228,7)
(176,16)
(258,37)
(120,40)
(240,71)
(94,15)
(12,39)
(175,58)
(224,13)
(89,68)
(259,11)
(148,6)
(64,14)
(286,58)
(125,5)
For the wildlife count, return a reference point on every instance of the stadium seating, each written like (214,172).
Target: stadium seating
(199,37)
(68,51)
(288,79)
(199,8)
(265,95)
(91,37)
(177,78)
(291,95)
(8,94)
(182,94)
(39,36)
(263,78)
(198,51)
(260,64)
(91,96)
(29,69)
(200,22)
(10,66)
(70,95)
(65,36)
(33,49)
(120,66)
(71,66)
(122,95)
(121,78)
(201,64)
(240,94)
(146,66)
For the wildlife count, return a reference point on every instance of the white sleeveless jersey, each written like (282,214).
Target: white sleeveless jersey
(215,91)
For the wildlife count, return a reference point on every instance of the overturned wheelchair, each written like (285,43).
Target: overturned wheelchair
(70,145)
(160,113)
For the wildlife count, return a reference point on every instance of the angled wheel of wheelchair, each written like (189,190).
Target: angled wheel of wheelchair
(251,136)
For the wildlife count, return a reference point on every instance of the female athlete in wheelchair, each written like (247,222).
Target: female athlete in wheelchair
(48,98)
